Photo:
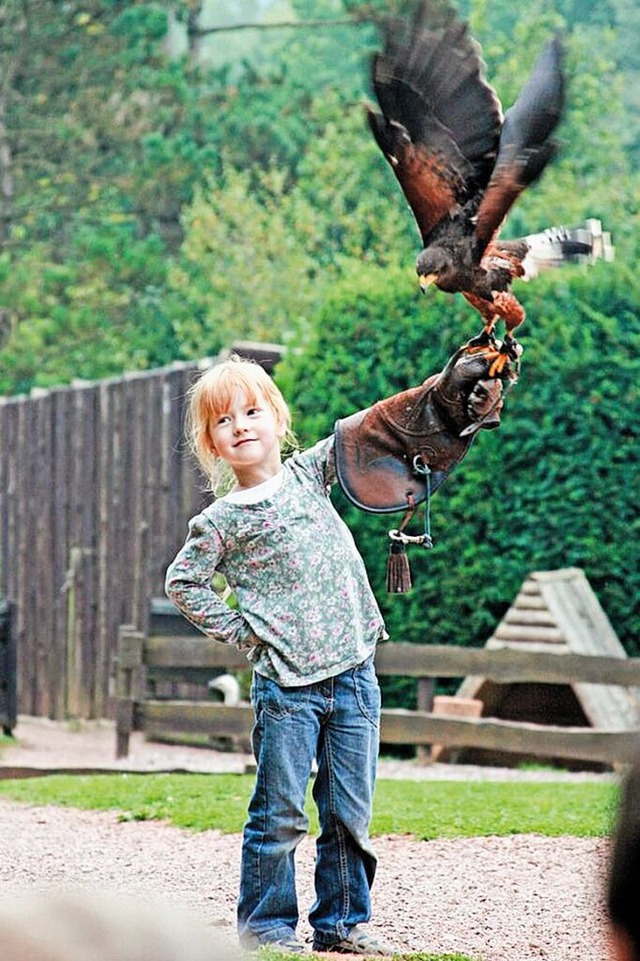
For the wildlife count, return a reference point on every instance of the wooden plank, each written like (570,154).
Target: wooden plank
(535,635)
(28,652)
(194,717)
(117,611)
(529,617)
(130,649)
(159,718)
(6,433)
(136,522)
(10,442)
(193,483)
(93,686)
(103,628)
(47,660)
(586,744)
(60,494)
(155,454)
(505,665)
(530,587)
(129,417)
(579,615)
(85,513)
(176,510)
(75,701)
(533,602)
(561,574)
(111,574)
(151,552)
(187,651)
(424,702)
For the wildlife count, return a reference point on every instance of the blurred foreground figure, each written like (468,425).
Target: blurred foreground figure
(81,927)
(623,888)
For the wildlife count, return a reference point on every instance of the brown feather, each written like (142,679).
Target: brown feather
(460,164)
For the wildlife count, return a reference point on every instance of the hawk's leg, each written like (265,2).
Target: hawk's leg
(508,350)
(486,338)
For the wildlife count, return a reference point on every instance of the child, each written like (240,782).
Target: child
(309,624)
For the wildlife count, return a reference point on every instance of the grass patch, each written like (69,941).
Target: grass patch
(6,740)
(271,954)
(425,809)
(474,808)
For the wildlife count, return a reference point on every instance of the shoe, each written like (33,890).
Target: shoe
(289,945)
(358,941)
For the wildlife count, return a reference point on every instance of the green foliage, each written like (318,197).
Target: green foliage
(115,145)
(119,136)
(237,246)
(140,24)
(359,211)
(92,316)
(549,490)
(424,809)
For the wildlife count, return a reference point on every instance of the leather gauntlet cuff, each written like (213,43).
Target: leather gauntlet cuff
(382,452)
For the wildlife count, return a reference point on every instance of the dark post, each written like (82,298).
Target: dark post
(8,691)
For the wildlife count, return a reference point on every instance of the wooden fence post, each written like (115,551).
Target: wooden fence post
(426,688)
(128,665)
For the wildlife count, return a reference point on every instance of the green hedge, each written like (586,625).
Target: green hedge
(556,486)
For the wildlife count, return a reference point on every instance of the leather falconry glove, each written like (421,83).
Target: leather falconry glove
(392,456)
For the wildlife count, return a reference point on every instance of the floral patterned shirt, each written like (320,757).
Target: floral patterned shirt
(306,610)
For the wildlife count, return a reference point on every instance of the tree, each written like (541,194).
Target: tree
(245,272)
(108,139)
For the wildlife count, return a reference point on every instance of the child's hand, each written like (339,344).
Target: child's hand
(248,643)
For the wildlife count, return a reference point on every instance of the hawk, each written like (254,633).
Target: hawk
(462,164)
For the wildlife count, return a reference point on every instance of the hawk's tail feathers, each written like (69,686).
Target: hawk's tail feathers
(560,245)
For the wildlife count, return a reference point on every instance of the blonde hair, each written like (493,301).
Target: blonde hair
(212,394)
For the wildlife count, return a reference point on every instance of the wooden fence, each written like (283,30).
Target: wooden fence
(95,492)
(145,662)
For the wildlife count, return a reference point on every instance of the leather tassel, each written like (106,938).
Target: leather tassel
(398,572)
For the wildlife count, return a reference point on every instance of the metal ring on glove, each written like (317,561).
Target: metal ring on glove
(423,539)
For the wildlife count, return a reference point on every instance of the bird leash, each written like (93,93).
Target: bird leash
(398,570)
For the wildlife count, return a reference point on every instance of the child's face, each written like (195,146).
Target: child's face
(247,436)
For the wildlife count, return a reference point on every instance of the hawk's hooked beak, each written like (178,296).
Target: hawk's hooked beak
(425,280)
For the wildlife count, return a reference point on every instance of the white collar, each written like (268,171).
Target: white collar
(251,495)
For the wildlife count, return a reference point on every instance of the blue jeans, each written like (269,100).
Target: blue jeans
(337,722)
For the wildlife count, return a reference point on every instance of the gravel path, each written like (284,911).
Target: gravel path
(520,898)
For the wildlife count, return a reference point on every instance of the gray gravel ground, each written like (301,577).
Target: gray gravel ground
(515,898)
(520,898)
